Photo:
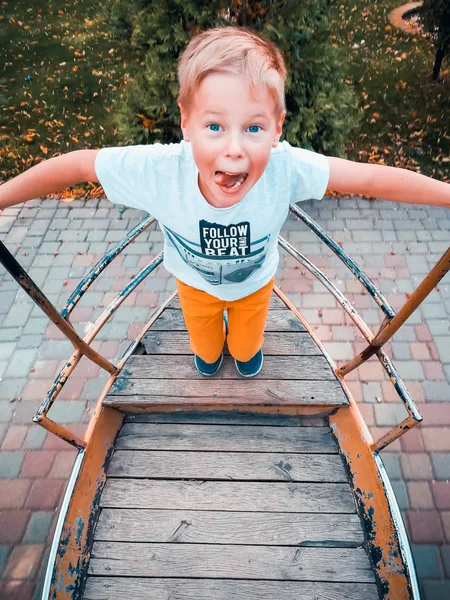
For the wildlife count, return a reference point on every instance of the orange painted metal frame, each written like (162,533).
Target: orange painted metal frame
(73,552)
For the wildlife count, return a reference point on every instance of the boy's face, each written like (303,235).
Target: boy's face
(232,129)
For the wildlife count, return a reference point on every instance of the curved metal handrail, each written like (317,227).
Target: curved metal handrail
(101,265)
(390,325)
(414,416)
(349,262)
(82,346)
(60,319)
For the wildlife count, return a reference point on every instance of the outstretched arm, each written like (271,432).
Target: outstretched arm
(53,175)
(389,183)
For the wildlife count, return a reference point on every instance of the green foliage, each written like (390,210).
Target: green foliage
(321,107)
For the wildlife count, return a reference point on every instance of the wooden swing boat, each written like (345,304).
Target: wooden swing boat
(223,488)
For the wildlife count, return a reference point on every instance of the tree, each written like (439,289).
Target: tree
(321,107)
(435,16)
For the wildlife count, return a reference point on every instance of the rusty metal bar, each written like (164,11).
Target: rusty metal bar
(86,282)
(121,296)
(57,386)
(394,433)
(354,268)
(349,309)
(61,432)
(40,416)
(390,326)
(27,284)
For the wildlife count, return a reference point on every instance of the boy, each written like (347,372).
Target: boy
(222,195)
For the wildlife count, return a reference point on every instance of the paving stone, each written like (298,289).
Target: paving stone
(3,430)
(410,369)
(392,465)
(51,235)
(443,348)
(441,464)
(67,411)
(10,464)
(35,438)
(38,527)
(389,414)
(425,526)
(436,391)
(4,552)
(445,554)
(400,350)
(436,590)
(18,315)
(426,559)
(21,362)
(23,563)
(420,495)
(35,326)
(416,466)
(400,492)
(11,388)
(54,349)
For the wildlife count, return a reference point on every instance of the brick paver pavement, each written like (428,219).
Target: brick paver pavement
(396,244)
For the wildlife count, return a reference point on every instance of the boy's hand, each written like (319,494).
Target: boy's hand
(53,175)
(389,183)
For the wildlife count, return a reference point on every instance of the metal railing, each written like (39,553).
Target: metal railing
(82,346)
(390,325)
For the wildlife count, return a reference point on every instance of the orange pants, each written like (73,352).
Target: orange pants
(203,315)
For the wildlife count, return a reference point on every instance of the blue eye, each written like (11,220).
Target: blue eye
(254,128)
(214,127)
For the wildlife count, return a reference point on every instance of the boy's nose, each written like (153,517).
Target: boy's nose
(234,148)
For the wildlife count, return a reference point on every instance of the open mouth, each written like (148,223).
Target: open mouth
(230,181)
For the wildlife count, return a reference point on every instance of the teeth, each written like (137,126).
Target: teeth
(238,182)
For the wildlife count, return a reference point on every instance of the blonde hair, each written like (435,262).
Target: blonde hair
(234,50)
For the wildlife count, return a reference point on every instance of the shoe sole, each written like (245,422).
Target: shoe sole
(209,374)
(253,374)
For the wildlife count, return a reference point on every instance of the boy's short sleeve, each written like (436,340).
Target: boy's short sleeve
(122,174)
(310,173)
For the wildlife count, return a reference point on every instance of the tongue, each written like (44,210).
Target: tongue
(222,178)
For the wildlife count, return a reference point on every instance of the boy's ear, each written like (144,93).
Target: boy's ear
(184,123)
(279,129)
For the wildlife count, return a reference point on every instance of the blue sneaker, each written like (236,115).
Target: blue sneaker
(251,367)
(205,368)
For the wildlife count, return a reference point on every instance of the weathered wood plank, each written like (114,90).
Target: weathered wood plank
(229,417)
(279,319)
(281,344)
(118,588)
(230,561)
(222,495)
(214,527)
(228,466)
(245,390)
(160,366)
(146,404)
(275,303)
(225,438)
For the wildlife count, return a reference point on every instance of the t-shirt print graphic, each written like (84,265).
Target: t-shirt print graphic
(225,253)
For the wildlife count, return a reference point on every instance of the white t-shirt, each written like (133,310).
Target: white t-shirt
(227,252)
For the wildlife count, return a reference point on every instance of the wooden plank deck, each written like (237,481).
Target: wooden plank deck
(295,372)
(208,504)
(212,507)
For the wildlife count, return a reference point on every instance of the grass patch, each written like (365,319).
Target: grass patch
(62,71)
(406,120)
